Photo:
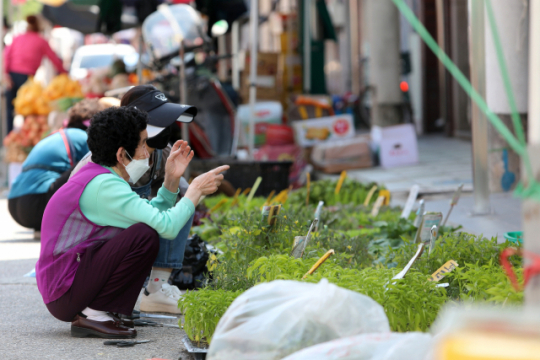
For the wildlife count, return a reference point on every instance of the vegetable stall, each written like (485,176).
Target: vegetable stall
(369,251)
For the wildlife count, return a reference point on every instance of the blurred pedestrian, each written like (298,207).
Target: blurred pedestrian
(22,59)
(49,165)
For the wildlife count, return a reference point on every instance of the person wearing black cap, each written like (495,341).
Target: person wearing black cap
(158,296)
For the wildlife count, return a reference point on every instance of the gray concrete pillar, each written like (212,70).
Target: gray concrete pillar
(384,61)
(460,56)
(512,21)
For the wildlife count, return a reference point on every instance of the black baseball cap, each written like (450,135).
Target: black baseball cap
(162,113)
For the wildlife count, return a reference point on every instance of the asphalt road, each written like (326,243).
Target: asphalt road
(28,331)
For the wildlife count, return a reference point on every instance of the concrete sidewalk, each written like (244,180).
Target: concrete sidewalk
(29,331)
(444,163)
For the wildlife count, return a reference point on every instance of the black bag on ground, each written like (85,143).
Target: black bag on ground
(194,270)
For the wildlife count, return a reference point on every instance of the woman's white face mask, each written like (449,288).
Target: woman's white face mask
(136,168)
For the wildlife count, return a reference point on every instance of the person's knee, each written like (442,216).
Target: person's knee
(148,236)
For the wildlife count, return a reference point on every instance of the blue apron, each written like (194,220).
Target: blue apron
(146,190)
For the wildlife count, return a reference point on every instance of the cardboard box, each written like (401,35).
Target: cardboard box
(395,145)
(315,131)
(336,156)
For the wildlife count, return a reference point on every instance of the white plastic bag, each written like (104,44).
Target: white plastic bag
(273,320)
(388,346)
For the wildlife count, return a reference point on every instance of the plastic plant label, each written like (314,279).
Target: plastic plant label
(428,221)
(298,246)
(318,213)
(313,226)
(235,199)
(318,210)
(370,195)
(406,269)
(456,196)
(377,206)
(419,214)
(413,194)
(443,270)
(270,213)
(432,238)
(386,194)
(319,263)
(218,205)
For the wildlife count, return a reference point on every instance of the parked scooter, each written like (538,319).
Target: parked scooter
(211,133)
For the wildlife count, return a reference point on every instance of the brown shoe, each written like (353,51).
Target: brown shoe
(82,327)
(125,322)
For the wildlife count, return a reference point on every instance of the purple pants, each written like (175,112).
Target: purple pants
(111,274)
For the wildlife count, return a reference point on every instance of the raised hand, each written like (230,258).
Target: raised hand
(178,160)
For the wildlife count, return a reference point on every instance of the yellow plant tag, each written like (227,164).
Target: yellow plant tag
(269,198)
(218,205)
(340,181)
(235,199)
(370,195)
(308,185)
(319,263)
(386,194)
(443,270)
(270,214)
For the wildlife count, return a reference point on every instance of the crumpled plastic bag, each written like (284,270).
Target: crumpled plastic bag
(389,346)
(273,320)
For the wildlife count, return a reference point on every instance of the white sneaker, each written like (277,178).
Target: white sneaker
(165,300)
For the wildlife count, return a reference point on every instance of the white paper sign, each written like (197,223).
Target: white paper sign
(330,128)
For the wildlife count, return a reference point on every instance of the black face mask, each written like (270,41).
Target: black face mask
(161,140)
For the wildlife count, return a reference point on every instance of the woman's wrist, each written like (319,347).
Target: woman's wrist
(194,194)
(171,183)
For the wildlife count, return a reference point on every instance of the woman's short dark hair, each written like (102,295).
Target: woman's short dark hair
(113,128)
(33,23)
(83,110)
(136,92)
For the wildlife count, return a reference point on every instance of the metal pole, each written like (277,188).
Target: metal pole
(183,89)
(3,110)
(354,23)
(235,33)
(307,46)
(254,30)
(442,71)
(222,64)
(479,121)
(531,209)
(348,49)
(140,64)
(183,98)
(534,73)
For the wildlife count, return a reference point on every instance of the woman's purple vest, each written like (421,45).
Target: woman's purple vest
(66,234)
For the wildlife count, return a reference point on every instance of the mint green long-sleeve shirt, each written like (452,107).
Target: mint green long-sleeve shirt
(108,200)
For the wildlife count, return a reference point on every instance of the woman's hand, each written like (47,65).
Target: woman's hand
(205,184)
(177,162)
(179,158)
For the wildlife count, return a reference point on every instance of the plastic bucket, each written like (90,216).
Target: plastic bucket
(514,236)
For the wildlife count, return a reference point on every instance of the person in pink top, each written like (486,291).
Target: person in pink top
(22,59)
